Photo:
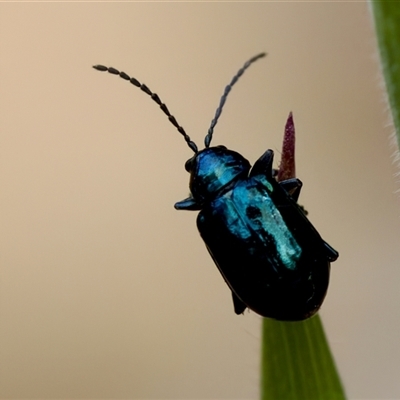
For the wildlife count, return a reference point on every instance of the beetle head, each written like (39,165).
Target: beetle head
(212,169)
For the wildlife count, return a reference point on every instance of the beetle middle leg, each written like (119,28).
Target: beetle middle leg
(293,187)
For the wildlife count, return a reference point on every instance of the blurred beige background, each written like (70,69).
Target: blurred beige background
(105,290)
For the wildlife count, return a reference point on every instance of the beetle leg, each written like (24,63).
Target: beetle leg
(331,252)
(238,304)
(292,187)
(188,204)
(263,166)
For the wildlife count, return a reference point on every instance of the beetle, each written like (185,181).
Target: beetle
(270,255)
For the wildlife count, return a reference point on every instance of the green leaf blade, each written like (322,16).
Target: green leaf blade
(297,363)
(387,25)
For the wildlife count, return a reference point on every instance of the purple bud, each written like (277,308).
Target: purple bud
(287,167)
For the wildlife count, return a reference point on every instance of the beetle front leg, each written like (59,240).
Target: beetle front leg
(188,204)
(263,166)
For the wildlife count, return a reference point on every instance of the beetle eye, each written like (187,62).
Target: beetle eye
(189,164)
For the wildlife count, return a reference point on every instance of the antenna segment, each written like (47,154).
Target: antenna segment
(155,97)
(207,139)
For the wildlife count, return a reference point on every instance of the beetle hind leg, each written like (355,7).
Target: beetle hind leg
(238,304)
(331,253)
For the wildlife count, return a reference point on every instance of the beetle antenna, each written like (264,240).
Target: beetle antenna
(155,97)
(207,139)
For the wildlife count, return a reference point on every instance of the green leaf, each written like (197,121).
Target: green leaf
(387,24)
(296,362)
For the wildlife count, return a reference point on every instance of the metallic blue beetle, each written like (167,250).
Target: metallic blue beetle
(270,255)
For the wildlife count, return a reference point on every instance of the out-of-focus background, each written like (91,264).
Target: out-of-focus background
(105,290)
